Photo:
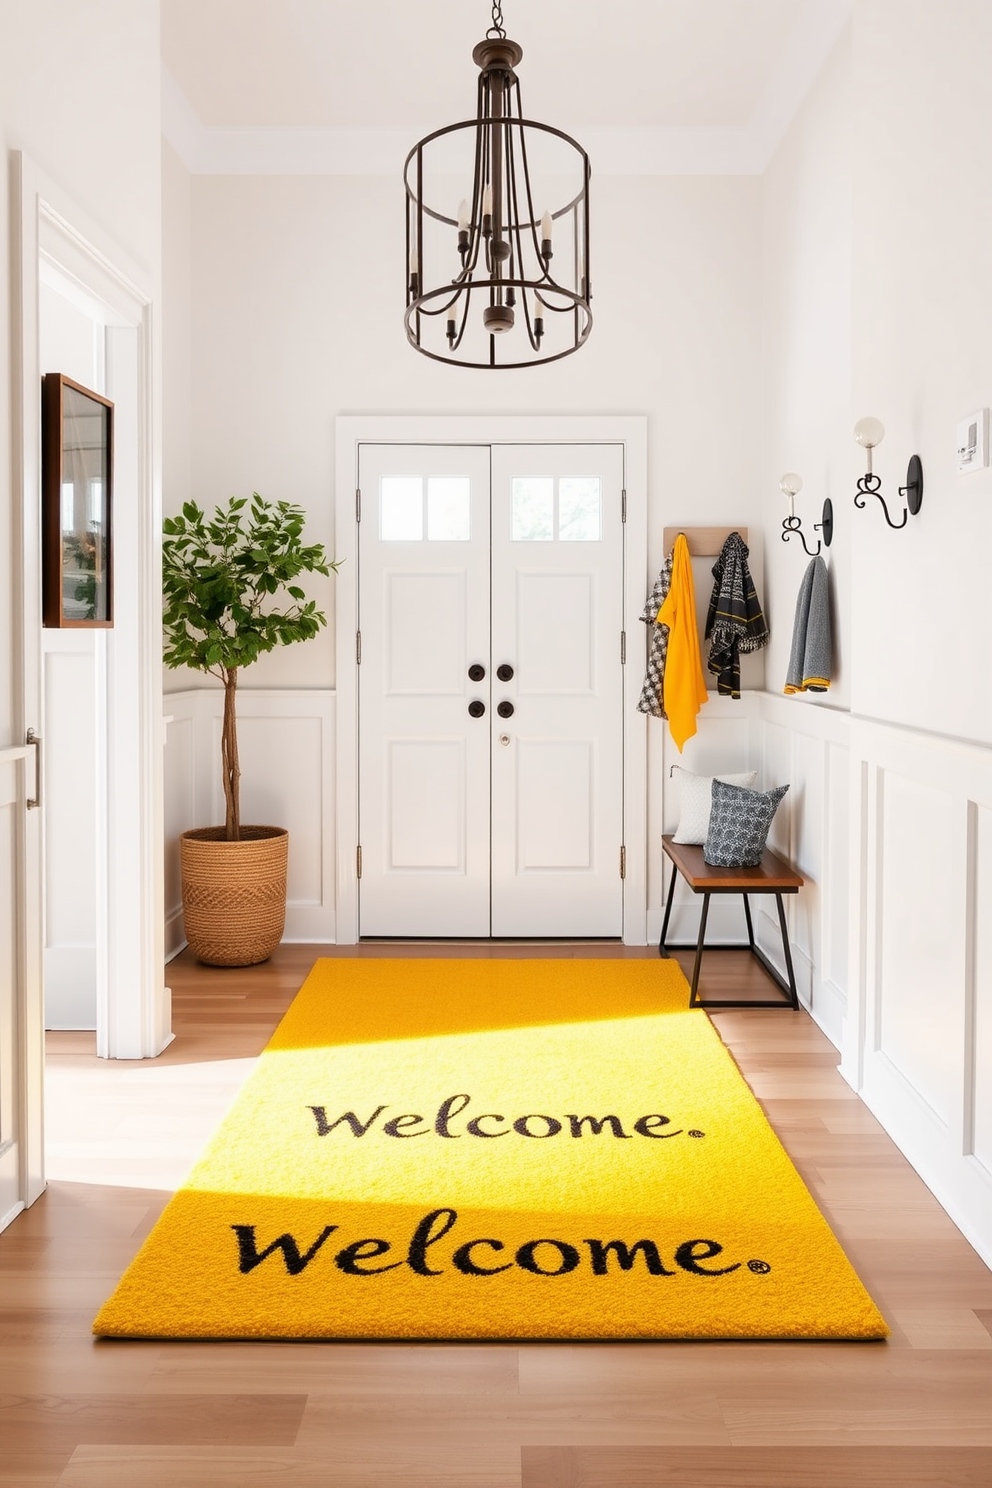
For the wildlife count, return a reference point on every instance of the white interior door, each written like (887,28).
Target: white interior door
(557,622)
(20,997)
(490,806)
(424,755)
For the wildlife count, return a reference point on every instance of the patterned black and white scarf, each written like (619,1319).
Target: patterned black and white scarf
(652,699)
(735,622)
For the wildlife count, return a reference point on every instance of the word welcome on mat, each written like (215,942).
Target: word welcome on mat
(493,1149)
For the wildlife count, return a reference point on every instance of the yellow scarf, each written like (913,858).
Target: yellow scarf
(685,685)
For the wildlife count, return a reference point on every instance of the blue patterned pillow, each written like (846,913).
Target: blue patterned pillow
(739,823)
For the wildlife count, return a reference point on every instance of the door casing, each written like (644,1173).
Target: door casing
(351,431)
(133,1004)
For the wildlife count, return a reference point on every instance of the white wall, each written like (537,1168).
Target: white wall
(807,266)
(752,321)
(922,311)
(297,317)
(177,362)
(72,342)
(79,98)
(79,93)
(877,301)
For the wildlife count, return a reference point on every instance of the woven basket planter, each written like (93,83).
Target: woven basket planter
(234,893)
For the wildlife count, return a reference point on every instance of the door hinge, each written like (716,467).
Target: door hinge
(358,648)
(623,648)
(358,862)
(623,506)
(358,503)
(623,862)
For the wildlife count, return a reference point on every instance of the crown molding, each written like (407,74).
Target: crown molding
(743,151)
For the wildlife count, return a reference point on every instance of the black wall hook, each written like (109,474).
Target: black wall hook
(793,527)
(870,432)
(870,485)
(790,485)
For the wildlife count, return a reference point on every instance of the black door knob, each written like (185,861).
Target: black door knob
(476,708)
(476,672)
(505,709)
(504,672)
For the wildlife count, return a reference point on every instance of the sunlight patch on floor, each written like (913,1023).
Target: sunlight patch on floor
(134,1126)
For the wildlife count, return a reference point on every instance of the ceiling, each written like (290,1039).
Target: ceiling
(685,66)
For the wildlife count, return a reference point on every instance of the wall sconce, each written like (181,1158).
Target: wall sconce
(790,485)
(869,432)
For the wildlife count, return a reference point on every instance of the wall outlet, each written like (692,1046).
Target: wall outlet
(973,441)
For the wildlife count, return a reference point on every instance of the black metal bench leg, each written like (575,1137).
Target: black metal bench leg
(668,913)
(694,998)
(750,927)
(793,992)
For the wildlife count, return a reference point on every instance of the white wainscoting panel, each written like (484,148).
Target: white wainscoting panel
(917,1040)
(722,745)
(73,750)
(979,1074)
(921,851)
(835,900)
(286,750)
(11,808)
(805,746)
(179,785)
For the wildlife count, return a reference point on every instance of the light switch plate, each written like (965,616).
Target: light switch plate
(973,441)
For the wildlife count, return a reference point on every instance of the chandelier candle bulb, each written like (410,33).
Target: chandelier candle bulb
(546,235)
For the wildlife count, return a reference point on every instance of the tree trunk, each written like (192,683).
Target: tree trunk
(229,758)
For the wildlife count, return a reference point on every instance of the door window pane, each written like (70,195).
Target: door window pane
(533,507)
(449,505)
(580,508)
(401,508)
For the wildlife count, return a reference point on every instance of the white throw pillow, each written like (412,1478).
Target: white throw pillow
(695,799)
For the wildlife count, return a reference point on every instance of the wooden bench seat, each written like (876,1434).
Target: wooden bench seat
(771,876)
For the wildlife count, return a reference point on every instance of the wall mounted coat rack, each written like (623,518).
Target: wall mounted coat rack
(704,542)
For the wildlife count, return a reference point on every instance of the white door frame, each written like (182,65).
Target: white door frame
(351,431)
(133,1005)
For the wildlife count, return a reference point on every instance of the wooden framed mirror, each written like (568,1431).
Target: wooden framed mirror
(77,432)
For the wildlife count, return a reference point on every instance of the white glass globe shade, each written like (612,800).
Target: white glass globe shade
(869,432)
(791,484)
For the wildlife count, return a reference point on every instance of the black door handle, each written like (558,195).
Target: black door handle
(504,672)
(476,672)
(476,708)
(505,709)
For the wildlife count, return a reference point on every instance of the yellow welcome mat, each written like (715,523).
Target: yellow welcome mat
(493,1149)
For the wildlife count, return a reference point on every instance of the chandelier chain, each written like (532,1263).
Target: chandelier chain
(497,29)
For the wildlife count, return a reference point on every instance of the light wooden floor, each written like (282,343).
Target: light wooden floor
(915,1412)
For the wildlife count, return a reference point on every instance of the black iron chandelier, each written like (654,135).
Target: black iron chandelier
(503,280)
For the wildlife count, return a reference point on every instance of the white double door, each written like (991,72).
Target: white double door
(490,690)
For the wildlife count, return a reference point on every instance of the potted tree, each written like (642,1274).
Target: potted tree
(230,595)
